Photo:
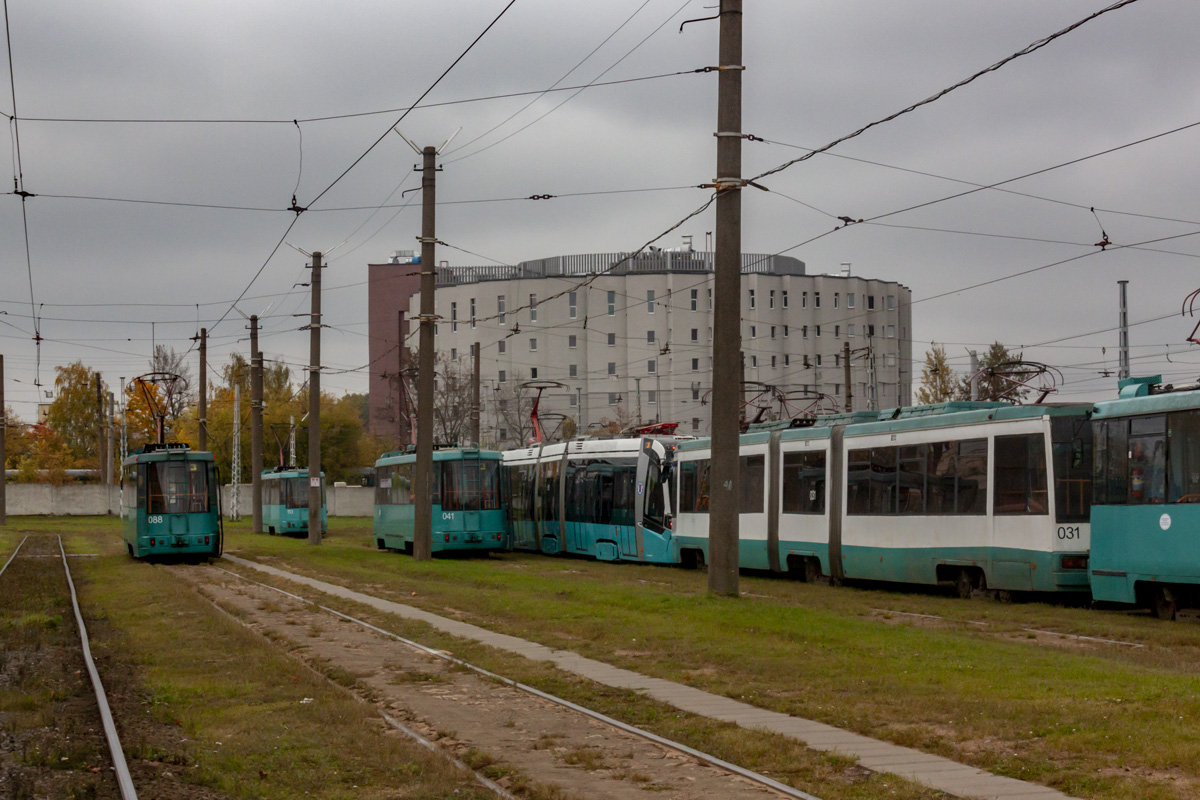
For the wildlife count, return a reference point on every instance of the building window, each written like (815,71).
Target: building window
(870,331)
(472,313)
(503,434)
(612,398)
(835,299)
(533,308)
(837,331)
(649,301)
(653,396)
(503,377)
(890,360)
(573,371)
(772,362)
(453,353)
(804,331)
(502,345)
(804,299)
(649,337)
(695,365)
(816,299)
(783,296)
(571,341)
(710,333)
(710,300)
(612,303)
(837,390)
(752,305)
(695,298)
(850,330)
(695,394)
(787,360)
(695,334)
(533,345)
(754,361)
(695,423)
(870,302)
(651,366)
(572,306)
(891,302)
(573,400)
(785,331)
(891,332)
(454,317)
(771,299)
(837,360)
(849,299)
(612,340)
(753,331)
(772,331)
(818,359)
(500,308)
(817,328)
(533,373)
(612,368)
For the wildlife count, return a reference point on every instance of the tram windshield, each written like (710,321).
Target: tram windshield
(654,511)
(177,487)
(1071,439)
(471,484)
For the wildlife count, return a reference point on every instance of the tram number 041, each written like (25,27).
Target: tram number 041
(447,515)
(1068,532)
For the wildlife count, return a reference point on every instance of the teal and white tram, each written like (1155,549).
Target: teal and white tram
(169,503)
(605,498)
(975,495)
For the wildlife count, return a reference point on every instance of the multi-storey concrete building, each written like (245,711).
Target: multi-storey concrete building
(635,341)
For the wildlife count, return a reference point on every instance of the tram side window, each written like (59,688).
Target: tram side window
(1111,462)
(882,480)
(489,484)
(693,486)
(624,478)
(1148,459)
(519,492)
(858,482)
(1071,444)
(804,483)
(1184,467)
(197,487)
(1020,474)
(129,487)
(549,490)
(972,477)
(751,480)
(941,470)
(383,485)
(910,483)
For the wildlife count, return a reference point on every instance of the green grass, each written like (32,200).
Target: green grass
(1105,721)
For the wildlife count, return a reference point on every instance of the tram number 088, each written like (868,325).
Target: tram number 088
(1069,532)
(154,519)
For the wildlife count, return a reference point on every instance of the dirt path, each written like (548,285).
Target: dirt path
(479,721)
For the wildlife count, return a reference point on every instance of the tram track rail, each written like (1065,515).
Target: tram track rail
(116,753)
(754,777)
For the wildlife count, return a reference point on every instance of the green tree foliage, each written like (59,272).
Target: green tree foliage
(993,387)
(938,383)
(74,414)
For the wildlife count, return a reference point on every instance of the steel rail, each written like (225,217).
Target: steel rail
(124,779)
(762,780)
(14,555)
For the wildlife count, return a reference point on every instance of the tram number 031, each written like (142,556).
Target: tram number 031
(1068,532)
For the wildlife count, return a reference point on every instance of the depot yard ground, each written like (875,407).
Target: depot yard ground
(977,681)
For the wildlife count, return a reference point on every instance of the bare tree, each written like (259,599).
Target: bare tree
(452,402)
(509,414)
(166,360)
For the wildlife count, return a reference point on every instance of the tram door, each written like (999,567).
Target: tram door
(470,494)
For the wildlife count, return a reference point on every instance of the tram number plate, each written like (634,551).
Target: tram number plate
(447,515)
(1068,532)
(154,519)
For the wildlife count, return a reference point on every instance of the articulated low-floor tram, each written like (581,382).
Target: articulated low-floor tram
(169,503)
(610,499)
(979,495)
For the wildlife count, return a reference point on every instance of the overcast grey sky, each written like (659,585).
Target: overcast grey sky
(105,270)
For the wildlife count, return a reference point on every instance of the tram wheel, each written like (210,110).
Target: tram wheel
(1165,604)
(812,570)
(964,584)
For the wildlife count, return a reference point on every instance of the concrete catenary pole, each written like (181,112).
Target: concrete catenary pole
(203,422)
(100,471)
(403,424)
(314,407)
(256,427)
(111,473)
(1123,365)
(727,309)
(3,445)
(235,477)
(124,422)
(846,376)
(475,400)
(423,511)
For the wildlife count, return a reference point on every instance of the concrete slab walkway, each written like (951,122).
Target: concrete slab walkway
(936,772)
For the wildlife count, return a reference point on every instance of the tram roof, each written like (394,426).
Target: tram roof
(169,452)
(1158,403)
(288,472)
(447,454)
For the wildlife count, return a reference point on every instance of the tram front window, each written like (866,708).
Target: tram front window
(654,511)
(176,487)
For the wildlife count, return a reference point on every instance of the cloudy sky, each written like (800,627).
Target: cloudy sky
(159,141)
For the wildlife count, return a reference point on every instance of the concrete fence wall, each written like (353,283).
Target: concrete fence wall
(42,499)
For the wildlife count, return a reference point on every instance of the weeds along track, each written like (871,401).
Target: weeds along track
(507,732)
(60,741)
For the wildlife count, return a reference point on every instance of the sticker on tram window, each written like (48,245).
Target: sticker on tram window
(1069,532)
(1164,521)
